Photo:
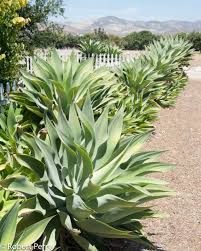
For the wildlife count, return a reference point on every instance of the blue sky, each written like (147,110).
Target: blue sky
(77,10)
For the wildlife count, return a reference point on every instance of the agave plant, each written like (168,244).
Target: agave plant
(142,90)
(173,89)
(10,238)
(140,113)
(140,77)
(111,49)
(11,128)
(168,56)
(57,82)
(90,47)
(90,179)
(183,49)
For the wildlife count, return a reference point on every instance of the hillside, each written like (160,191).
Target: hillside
(119,26)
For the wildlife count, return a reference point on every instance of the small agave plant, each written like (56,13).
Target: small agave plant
(91,47)
(90,178)
(111,49)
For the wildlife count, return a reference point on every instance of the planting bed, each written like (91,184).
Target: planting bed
(80,175)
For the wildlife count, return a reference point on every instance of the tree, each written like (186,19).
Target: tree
(114,39)
(11,52)
(195,39)
(55,37)
(39,12)
(47,38)
(98,35)
(138,40)
(67,41)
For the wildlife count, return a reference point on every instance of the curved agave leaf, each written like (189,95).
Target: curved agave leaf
(8,225)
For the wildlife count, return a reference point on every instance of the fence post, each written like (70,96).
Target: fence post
(112,60)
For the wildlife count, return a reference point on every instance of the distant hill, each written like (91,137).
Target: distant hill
(119,26)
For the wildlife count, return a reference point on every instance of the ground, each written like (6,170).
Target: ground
(196,61)
(179,131)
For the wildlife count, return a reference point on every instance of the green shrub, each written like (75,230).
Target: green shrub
(155,78)
(138,40)
(195,39)
(52,37)
(115,40)
(111,49)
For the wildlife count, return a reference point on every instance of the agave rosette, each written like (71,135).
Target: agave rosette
(91,47)
(90,178)
(60,83)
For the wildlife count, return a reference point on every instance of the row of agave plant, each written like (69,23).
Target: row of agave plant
(71,169)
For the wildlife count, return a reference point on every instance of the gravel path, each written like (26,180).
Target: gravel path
(179,131)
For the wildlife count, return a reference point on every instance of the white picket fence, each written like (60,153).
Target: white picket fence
(99,60)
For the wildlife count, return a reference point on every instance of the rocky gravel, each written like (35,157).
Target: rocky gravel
(179,131)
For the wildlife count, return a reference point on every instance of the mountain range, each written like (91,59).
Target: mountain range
(119,26)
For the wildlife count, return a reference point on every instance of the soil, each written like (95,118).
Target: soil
(179,131)
(196,61)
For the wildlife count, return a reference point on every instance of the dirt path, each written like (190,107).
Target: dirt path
(179,131)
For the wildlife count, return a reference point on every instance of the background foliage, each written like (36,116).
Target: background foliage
(11,51)
(39,12)
(138,40)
